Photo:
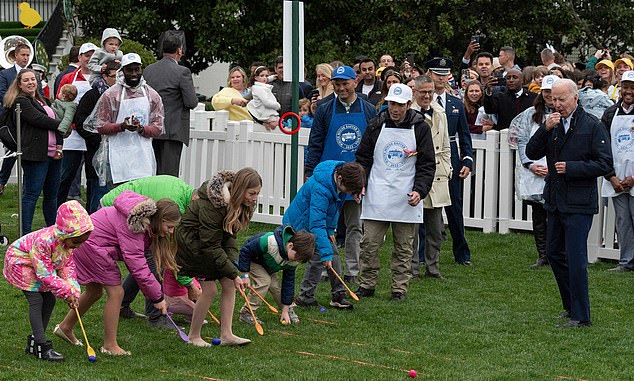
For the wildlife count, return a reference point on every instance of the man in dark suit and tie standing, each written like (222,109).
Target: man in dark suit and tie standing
(461,160)
(174,84)
(577,150)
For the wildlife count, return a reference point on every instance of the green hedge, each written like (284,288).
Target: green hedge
(5,32)
(17,25)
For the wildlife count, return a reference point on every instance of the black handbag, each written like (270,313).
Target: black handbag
(8,131)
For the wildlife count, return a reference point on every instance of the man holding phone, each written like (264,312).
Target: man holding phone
(130,113)
(507,105)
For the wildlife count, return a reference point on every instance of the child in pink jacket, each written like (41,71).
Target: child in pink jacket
(41,265)
(123,232)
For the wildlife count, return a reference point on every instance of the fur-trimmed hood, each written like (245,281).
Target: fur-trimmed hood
(137,208)
(216,189)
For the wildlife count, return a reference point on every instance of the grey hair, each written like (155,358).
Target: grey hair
(569,83)
(422,79)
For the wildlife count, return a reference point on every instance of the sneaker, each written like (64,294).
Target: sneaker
(541,262)
(339,301)
(128,313)
(245,317)
(162,323)
(364,292)
(293,316)
(300,303)
(398,297)
(619,269)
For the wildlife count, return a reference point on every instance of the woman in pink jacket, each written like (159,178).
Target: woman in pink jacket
(123,232)
(41,265)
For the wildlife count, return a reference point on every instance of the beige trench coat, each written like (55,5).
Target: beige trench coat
(439,194)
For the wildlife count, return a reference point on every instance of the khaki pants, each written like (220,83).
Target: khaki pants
(374,231)
(262,282)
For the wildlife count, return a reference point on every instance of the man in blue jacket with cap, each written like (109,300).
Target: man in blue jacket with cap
(336,133)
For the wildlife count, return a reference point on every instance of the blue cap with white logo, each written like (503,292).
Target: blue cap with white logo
(344,72)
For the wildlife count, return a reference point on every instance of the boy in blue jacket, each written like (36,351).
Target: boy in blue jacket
(316,209)
(263,256)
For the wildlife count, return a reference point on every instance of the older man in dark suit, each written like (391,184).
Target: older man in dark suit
(174,84)
(577,150)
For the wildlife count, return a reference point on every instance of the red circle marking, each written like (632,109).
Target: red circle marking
(292,115)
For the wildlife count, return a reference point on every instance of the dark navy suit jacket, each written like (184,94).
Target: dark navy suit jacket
(588,155)
(457,123)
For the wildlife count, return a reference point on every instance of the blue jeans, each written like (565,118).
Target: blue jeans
(94,193)
(40,176)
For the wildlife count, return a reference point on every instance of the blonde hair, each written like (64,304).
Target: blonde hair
(326,70)
(15,91)
(68,93)
(164,248)
(233,70)
(238,214)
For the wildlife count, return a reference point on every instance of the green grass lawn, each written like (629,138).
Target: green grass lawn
(495,320)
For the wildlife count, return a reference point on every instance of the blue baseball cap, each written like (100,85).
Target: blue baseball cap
(344,72)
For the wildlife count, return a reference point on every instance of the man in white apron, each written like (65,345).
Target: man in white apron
(74,145)
(619,184)
(397,153)
(130,114)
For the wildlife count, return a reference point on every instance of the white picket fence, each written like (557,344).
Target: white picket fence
(489,197)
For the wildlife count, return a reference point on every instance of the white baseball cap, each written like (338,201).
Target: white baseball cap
(399,93)
(628,76)
(130,58)
(548,82)
(84,48)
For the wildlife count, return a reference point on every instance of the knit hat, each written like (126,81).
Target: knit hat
(72,220)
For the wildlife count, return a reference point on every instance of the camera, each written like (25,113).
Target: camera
(475,38)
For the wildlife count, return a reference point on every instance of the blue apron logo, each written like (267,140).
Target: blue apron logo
(393,154)
(624,140)
(348,137)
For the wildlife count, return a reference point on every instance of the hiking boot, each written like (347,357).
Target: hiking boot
(245,317)
(30,345)
(364,292)
(340,302)
(128,313)
(301,303)
(293,316)
(44,351)
(398,297)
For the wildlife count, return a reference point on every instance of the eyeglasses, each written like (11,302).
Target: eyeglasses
(112,76)
(424,92)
